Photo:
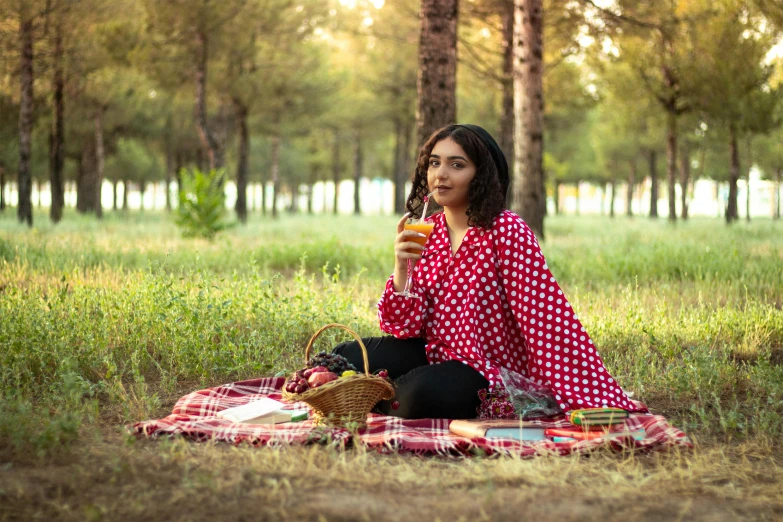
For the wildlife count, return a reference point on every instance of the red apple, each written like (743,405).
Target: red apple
(320,378)
(319,369)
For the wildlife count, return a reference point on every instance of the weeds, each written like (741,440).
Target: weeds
(103,323)
(689,319)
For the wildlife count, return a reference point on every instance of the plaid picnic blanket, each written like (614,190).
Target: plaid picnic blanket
(194,418)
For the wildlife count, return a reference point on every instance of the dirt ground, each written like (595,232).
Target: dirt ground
(114,477)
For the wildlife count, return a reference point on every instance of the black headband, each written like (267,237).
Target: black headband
(495,151)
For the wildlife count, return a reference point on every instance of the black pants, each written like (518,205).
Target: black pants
(447,390)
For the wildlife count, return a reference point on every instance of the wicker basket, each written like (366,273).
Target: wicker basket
(346,399)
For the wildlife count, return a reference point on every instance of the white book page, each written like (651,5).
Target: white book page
(251,410)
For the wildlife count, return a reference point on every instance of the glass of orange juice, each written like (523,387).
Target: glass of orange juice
(422,227)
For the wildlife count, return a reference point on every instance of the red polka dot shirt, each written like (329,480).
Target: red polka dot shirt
(496,304)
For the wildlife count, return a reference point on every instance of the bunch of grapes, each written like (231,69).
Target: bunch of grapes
(301,380)
(334,362)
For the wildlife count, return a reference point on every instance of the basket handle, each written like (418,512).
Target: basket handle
(342,327)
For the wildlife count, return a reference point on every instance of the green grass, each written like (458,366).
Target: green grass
(124,303)
(587,252)
(105,323)
(121,311)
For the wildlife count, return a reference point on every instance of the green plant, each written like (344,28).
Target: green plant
(202,203)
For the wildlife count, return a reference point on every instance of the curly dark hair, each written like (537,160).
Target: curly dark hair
(487,195)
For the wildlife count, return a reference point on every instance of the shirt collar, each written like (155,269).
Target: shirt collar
(474,235)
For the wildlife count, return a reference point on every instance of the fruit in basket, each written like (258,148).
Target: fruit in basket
(348,373)
(317,379)
(296,383)
(335,363)
(383,374)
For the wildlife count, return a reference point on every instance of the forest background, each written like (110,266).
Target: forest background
(639,100)
(108,314)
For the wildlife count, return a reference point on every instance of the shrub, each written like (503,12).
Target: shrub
(202,203)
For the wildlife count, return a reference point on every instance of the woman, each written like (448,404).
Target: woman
(488,298)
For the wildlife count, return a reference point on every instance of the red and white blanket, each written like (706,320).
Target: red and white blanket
(194,418)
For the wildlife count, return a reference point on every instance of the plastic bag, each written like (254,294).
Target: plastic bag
(530,399)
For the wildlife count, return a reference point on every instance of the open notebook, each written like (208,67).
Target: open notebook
(263,411)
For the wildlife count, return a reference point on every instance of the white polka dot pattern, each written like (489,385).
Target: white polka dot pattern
(495,303)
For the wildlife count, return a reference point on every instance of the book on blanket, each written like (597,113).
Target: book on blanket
(521,430)
(597,416)
(507,429)
(263,411)
(578,433)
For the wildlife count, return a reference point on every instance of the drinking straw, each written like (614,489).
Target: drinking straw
(426,202)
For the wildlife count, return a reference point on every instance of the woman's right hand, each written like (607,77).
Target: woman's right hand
(405,249)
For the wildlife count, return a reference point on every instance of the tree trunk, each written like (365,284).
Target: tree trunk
(86,181)
(400,175)
(529,195)
(142,191)
(671,163)
(506,136)
(336,168)
(578,202)
(629,190)
(612,185)
(114,184)
(314,174)
(125,190)
(99,162)
(357,174)
(2,188)
(275,174)
(406,161)
(557,197)
(749,149)
(178,173)
(244,150)
(25,207)
(201,160)
(325,199)
(436,81)
(732,211)
(263,194)
(169,174)
(57,137)
(685,175)
(293,208)
(209,143)
(653,157)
